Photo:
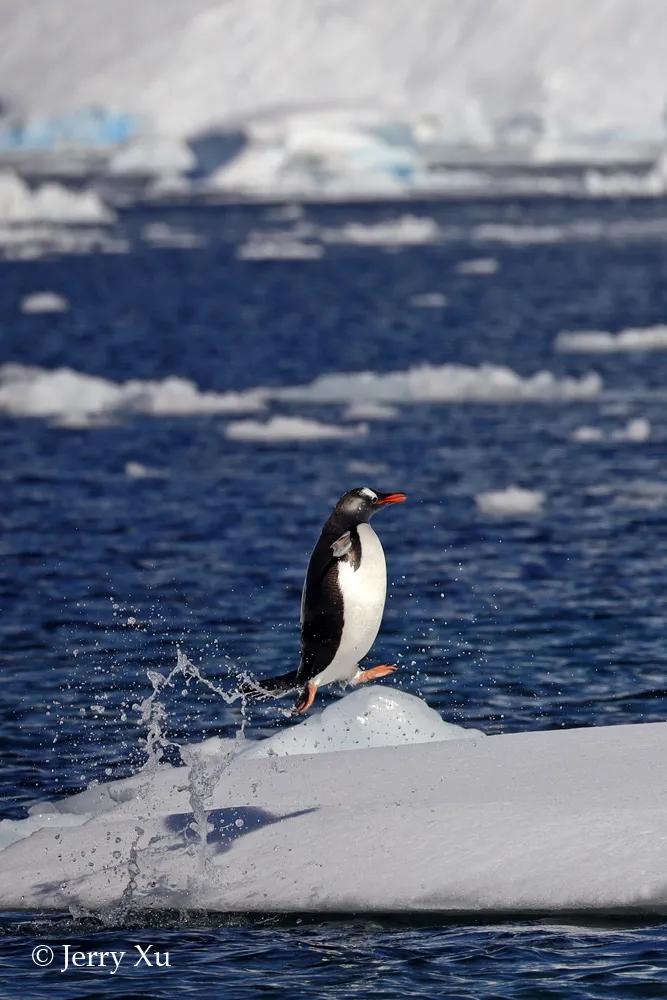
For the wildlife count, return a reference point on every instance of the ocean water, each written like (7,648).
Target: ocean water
(129,536)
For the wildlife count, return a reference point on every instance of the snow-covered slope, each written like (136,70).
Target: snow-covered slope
(543,822)
(486,73)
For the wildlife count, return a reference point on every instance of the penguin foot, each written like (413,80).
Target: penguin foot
(363,676)
(306,700)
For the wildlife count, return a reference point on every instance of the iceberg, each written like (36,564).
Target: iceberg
(649,338)
(49,203)
(374,806)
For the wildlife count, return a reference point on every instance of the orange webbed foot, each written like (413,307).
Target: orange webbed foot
(382,670)
(306,700)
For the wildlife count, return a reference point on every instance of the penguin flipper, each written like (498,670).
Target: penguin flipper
(270,687)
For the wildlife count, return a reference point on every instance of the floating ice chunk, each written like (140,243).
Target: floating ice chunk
(406,230)
(443,384)
(429,300)
(272,246)
(71,396)
(510,501)
(161,234)
(637,430)
(48,203)
(649,338)
(370,411)
(44,302)
(587,435)
(371,717)
(137,470)
(478,266)
(290,429)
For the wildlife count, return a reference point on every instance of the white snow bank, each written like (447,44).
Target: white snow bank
(511,501)
(48,203)
(290,429)
(547,822)
(443,384)
(649,338)
(66,394)
(44,302)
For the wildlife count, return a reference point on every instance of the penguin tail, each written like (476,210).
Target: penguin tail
(269,687)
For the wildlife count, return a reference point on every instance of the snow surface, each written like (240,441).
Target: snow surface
(290,429)
(61,392)
(543,822)
(510,502)
(649,338)
(583,77)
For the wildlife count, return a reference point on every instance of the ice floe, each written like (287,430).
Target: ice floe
(637,430)
(405,230)
(278,246)
(542,822)
(137,470)
(370,411)
(443,384)
(49,202)
(510,502)
(478,266)
(648,338)
(72,396)
(429,300)
(290,429)
(44,302)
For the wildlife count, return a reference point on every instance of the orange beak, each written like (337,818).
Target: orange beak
(392,498)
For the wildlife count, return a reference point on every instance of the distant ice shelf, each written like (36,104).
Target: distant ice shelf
(375,805)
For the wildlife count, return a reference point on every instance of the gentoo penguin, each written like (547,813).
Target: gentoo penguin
(342,601)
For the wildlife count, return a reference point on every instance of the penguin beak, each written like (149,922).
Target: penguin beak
(386,498)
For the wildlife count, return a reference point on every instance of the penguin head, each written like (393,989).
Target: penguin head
(359,505)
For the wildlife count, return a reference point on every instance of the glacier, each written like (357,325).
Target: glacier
(528,81)
(373,805)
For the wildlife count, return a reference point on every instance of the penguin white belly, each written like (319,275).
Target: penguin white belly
(363,591)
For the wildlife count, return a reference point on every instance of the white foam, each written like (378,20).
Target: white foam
(72,396)
(649,338)
(511,501)
(44,302)
(49,202)
(443,384)
(478,266)
(290,429)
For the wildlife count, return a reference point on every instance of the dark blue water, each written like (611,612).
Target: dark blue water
(512,624)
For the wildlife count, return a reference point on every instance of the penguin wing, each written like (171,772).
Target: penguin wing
(322,605)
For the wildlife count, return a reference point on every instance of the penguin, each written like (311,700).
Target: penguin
(342,602)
